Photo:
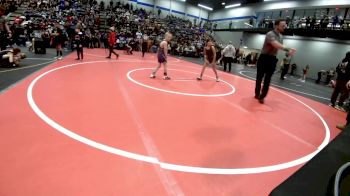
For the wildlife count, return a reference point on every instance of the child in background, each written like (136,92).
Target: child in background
(305,72)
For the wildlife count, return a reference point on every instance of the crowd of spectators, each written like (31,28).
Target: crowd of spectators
(137,26)
(9,6)
(44,18)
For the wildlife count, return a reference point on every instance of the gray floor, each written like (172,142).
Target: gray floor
(319,92)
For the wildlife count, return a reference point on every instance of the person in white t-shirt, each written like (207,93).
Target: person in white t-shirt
(228,53)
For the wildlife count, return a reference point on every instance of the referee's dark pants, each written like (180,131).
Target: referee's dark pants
(265,68)
(80,52)
(3,40)
(228,60)
(111,50)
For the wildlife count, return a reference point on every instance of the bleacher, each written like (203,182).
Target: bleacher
(18,12)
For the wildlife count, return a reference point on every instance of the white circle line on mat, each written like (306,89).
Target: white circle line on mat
(154,160)
(177,92)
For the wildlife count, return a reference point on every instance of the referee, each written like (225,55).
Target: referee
(267,61)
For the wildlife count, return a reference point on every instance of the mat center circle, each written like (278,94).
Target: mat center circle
(179,88)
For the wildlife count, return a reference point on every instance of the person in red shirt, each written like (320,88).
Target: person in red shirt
(111,42)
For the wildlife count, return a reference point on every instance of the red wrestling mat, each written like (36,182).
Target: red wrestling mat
(103,127)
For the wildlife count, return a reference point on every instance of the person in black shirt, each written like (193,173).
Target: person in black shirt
(343,76)
(292,70)
(58,41)
(4,29)
(78,38)
(144,47)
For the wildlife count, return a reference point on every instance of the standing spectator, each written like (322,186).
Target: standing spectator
(79,44)
(58,41)
(335,21)
(313,22)
(330,75)
(308,21)
(104,39)
(325,22)
(4,29)
(343,76)
(229,53)
(230,25)
(111,42)
(292,70)
(286,63)
(288,22)
(219,55)
(159,12)
(305,72)
(319,76)
(144,47)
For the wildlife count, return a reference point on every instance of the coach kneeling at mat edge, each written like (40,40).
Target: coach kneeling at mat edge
(267,61)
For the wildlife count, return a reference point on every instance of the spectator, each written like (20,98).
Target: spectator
(78,38)
(319,76)
(159,12)
(58,41)
(335,21)
(343,76)
(111,42)
(4,29)
(144,47)
(330,74)
(305,72)
(293,68)
(286,63)
(229,53)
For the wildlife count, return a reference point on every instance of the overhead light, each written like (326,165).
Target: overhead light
(205,7)
(233,5)
(270,0)
(183,0)
(223,3)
